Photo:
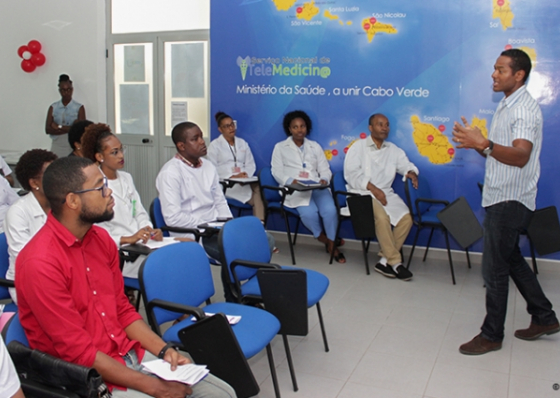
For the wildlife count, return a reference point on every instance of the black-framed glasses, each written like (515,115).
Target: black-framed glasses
(103,188)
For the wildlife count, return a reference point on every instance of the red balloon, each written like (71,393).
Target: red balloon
(34,46)
(27,66)
(21,50)
(38,59)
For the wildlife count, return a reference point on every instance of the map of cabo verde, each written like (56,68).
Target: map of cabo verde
(431,142)
(372,26)
(501,9)
(308,11)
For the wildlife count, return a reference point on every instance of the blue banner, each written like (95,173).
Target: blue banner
(422,64)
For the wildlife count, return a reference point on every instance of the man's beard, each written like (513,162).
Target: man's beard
(88,217)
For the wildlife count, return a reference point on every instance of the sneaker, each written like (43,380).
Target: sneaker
(275,250)
(403,273)
(479,345)
(535,331)
(385,270)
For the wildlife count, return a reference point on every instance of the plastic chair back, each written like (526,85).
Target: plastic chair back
(4,264)
(266,178)
(250,245)
(156,216)
(14,331)
(339,184)
(423,192)
(179,273)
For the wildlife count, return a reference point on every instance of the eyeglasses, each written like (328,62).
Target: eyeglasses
(65,90)
(115,152)
(228,126)
(103,188)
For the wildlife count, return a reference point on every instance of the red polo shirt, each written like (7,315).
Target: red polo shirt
(71,295)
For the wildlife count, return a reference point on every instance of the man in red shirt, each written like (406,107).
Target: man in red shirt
(71,293)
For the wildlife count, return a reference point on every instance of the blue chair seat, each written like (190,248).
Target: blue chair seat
(317,285)
(11,307)
(430,217)
(131,282)
(236,203)
(251,340)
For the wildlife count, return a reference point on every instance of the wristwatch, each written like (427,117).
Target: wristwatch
(165,348)
(487,151)
(59,126)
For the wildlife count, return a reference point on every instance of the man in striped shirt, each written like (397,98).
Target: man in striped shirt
(510,188)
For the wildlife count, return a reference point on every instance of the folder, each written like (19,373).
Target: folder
(461,222)
(544,230)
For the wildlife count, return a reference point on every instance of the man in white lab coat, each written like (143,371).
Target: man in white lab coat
(370,167)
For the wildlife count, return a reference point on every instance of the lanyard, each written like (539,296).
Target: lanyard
(233,153)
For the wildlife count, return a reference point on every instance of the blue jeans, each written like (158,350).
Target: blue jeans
(501,259)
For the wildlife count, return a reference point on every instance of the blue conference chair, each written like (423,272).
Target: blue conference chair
(156,217)
(273,198)
(5,283)
(177,280)
(424,208)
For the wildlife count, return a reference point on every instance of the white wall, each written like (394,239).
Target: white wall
(72,33)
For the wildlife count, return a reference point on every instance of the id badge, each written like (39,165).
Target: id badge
(303,174)
(236,169)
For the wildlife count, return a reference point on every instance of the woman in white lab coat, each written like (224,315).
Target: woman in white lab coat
(131,223)
(233,159)
(298,158)
(28,215)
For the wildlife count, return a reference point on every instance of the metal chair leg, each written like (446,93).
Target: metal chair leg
(449,254)
(365,251)
(290,362)
(335,238)
(413,246)
(468,257)
(428,245)
(289,237)
(320,314)
(273,371)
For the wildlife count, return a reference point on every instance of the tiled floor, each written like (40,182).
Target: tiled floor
(394,339)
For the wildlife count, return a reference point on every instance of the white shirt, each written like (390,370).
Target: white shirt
(9,380)
(288,160)
(22,222)
(365,163)
(130,216)
(7,198)
(190,196)
(226,158)
(517,117)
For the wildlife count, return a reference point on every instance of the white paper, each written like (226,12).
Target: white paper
(154,244)
(245,180)
(232,319)
(188,374)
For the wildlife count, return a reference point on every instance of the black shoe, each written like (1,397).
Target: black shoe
(403,274)
(385,270)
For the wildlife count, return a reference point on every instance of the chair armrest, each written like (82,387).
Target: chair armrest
(7,283)
(283,191)
(250,264)
(197,312)
(428,200)
(345,193)
(197,234)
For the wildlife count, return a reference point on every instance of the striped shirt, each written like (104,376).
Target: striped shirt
(517,117)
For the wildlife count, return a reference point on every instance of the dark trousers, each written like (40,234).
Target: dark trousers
(501,259)
(212,248)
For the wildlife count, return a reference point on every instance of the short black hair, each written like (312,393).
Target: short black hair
(64,78)
(30,165)
(219,116)
(63,176)
(92,140)
(76,131)
(519,61)
(179,131)
(290,116)
(370,121)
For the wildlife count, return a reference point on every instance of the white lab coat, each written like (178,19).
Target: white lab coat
(190,196)
(223,156)
(366,163)
(22,222)
(7,198)
(130,216)
(288,161)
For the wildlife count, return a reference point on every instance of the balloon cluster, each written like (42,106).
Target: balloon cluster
(32,56)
